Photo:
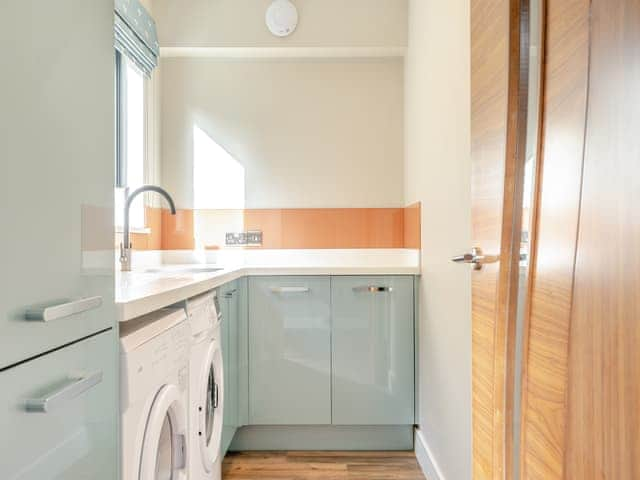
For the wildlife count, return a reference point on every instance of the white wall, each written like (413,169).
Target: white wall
(309,134)
(437,173)
(216,23)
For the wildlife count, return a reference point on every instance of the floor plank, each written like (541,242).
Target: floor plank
(313,465)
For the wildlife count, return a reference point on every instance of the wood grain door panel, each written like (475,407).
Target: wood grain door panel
(498,135)
(603,407)
(489,101)
(546,343)
(581,395)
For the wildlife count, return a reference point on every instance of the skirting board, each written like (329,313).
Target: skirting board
(425,458)
(320,437)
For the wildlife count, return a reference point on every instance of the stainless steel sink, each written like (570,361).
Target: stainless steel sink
(183,269)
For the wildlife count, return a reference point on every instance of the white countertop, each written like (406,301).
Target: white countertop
(140,292)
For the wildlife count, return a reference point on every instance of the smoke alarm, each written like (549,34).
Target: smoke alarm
(282,18)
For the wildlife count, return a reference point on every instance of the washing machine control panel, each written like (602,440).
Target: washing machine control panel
(163,358)
(203,313)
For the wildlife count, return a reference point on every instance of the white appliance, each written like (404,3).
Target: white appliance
(206,388)
(154,393)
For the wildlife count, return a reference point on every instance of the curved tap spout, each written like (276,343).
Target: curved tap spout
(125,246)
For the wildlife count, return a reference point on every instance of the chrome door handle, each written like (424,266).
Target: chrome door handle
(476,258)
(66,393)
(373,288)
(289,289)
(46,313)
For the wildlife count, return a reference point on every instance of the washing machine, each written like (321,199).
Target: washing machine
(154,364)
(206,387)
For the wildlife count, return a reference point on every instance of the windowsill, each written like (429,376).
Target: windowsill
(143,231)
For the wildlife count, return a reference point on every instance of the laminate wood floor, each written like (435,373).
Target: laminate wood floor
(321,465)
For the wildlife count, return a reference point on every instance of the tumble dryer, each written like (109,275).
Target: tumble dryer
(206,388)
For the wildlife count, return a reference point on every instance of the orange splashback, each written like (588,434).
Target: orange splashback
(328,228)
(177,230)
(412,225)
(295,228)
(151,240)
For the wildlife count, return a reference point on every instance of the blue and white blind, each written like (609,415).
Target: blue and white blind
(135,34)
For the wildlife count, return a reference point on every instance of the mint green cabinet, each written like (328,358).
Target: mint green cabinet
(289,351)
(229,301)
(59,413)
(243,351)
(372,350)
(56,205)
(57,175)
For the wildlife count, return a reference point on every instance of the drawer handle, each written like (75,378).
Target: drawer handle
(373,289)
(66,393)
(46,313)
(230,293)
(290,289)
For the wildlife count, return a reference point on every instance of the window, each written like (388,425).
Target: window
(130,143)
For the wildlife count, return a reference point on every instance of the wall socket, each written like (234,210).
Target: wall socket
(251,238)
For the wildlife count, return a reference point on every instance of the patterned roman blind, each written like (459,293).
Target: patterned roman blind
(135,34)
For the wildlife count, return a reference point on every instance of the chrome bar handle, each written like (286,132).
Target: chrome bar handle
(230,293)
(46,313)
(373,289)
(290,289)
(65,394)
(476,258)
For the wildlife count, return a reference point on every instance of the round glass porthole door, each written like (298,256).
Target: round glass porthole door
(212,403)
(164,459)
(212,395)
(163,448)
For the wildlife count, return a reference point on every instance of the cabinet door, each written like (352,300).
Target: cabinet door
(373,350)
(76,437)
(56,171)
(289,351)
(243,351)
(229,305)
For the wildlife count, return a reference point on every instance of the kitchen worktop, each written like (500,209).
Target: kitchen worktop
(175,276)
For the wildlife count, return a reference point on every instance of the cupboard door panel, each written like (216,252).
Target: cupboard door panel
(56,171)
(76,436)
(289,351)
(229,306)
(243,351)
(373,350)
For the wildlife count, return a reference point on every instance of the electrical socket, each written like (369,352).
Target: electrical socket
(252,238)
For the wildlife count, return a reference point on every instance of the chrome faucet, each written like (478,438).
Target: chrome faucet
(125,246)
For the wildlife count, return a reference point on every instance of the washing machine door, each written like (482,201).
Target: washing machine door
(164,447)
(210,406)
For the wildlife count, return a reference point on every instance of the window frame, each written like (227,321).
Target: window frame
(121,120)
(122,64)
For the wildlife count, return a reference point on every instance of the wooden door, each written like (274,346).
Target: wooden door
(499,56)
(581,393)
